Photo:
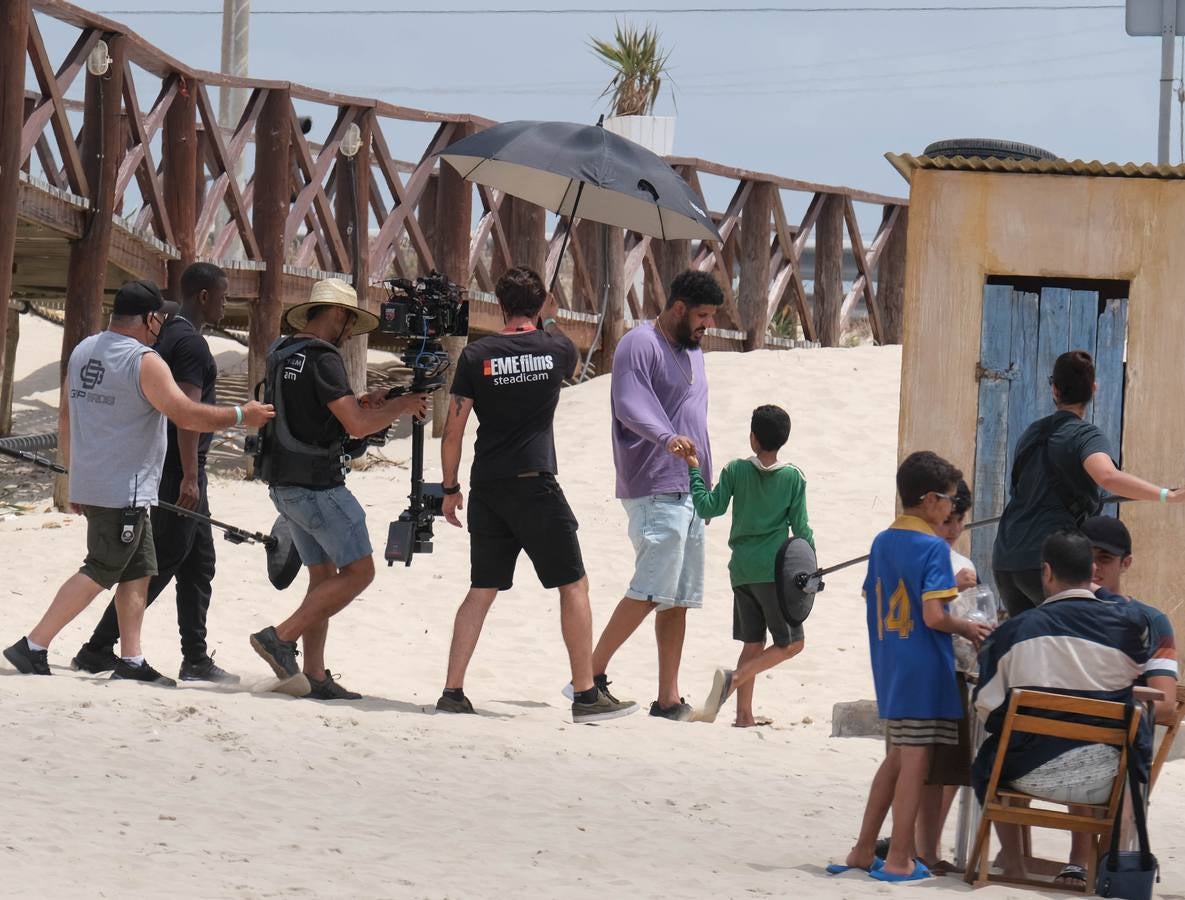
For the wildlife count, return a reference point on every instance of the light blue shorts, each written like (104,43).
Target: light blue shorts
(668,540)
(327,526)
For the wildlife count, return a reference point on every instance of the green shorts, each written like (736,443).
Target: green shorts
(109,560)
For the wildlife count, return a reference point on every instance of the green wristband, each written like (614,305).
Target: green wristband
(238,416)
(547,322)
(1164,495)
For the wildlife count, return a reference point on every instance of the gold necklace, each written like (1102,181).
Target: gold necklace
(690,379)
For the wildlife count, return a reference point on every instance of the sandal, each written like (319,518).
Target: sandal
(1071,874)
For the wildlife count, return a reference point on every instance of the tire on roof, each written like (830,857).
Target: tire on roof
(987,148)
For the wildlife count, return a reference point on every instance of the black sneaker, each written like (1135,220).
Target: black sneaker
(125,671)
(447,704)
(94,661)
(280,655)
(680,712)
(206,670)
(26,661)
(600,682)
(329,689)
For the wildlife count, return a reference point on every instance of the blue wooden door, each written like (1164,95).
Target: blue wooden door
(1023,333)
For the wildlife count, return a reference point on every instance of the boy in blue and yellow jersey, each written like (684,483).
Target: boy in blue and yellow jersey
(910,581)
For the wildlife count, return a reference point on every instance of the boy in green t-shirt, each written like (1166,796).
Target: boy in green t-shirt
(770,502)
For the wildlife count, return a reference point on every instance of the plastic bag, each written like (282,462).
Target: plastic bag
(979,605)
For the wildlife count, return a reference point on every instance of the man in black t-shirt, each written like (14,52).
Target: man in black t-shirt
(184,546)
(512,381)
(306,473)
(1061,465)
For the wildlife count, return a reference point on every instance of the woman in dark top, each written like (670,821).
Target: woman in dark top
(1061,463)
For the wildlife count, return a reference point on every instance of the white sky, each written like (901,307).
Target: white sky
(813,96)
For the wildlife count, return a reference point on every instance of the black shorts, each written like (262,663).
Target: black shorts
(514,514)
(1019,591)
(755,610)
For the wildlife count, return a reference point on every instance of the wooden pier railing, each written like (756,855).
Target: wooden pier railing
(132,182)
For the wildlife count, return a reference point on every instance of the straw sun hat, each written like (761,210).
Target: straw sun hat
(332,292)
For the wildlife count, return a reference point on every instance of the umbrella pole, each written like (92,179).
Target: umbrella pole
(567,237)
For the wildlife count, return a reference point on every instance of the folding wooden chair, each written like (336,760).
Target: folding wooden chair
(1008,806)
(1166,742)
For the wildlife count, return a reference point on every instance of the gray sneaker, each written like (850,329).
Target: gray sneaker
(605,708)
(447,704)
(721,689)
(280,655)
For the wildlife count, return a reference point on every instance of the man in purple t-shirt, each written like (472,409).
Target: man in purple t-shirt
(659,398)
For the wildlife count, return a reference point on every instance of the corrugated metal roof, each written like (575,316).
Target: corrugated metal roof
(906,163)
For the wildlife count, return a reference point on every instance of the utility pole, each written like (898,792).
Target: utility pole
(1168,33)
(1149,18)
(236,28)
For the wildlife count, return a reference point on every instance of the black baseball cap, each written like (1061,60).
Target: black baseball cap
(1108,534)
(138,298)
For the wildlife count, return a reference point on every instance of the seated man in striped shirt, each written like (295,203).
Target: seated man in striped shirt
(1076,643)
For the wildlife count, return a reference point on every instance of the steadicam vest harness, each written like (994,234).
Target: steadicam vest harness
(283,458)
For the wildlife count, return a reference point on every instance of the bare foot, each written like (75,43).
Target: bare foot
(751,721)
(859,859)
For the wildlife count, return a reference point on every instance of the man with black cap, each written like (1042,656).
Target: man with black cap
(120,394)
(184,546)
(1111,543)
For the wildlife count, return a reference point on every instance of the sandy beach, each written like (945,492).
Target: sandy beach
(124,790)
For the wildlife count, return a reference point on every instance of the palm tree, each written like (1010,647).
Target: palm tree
(639,65)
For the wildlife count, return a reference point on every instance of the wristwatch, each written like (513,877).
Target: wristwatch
(455,489)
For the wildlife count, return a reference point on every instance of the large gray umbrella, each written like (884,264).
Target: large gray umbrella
(584,172)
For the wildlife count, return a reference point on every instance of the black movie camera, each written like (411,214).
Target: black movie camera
(423,310)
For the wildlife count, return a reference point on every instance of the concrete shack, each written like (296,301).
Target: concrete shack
(1010,263)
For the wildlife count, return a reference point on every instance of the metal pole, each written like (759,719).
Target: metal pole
(236,18)
(236,27)
(1168,31)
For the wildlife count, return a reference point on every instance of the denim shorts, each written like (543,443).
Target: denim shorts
(327,526)
(668,539)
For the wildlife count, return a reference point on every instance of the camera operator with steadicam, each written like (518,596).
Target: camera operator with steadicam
(304,456)
(512,381)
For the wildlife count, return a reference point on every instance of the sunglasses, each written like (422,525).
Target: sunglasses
(950,497)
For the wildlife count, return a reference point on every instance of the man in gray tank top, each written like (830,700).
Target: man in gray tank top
(120,394)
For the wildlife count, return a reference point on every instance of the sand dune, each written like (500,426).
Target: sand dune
(118,790)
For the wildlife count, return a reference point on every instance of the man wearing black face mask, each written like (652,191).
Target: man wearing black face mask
(303,463)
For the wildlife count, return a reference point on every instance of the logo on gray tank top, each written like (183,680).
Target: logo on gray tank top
(91,374)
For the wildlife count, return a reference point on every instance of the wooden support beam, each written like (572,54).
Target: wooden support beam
(614,325)
(179,158)
(753,293)
(890,278)
(526,235)
(866,266)
(225,185)
(353,223)
(139,158)
(454,214)
(54,108)
(9,336)
(589,237)
(671,258)
(272,198)
(829,269)
(102,147)
(14,28)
